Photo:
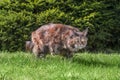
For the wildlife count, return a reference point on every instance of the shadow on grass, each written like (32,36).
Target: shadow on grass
(93,63)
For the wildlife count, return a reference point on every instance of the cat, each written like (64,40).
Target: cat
(58,39)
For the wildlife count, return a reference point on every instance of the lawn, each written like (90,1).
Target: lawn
(83,66)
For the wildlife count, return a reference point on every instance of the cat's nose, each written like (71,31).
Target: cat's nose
(82,43)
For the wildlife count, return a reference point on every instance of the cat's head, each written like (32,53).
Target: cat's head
(83,38)
(78,41)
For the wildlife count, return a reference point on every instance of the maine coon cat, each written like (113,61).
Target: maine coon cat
(58,39)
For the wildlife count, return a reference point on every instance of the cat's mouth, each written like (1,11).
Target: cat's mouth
(77,47)
(82,46)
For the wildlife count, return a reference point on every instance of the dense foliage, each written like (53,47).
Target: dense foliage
(18,18)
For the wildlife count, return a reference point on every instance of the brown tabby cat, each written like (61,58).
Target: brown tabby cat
(58,39)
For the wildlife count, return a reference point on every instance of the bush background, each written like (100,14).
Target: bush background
(18,18)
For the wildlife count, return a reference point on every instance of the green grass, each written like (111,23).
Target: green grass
(83,66)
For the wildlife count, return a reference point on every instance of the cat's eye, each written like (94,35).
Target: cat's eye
(82,40)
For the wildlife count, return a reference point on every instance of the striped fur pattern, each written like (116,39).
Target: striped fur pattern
(58,39)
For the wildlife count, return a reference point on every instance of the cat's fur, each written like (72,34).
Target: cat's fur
(29,46)
(58,39)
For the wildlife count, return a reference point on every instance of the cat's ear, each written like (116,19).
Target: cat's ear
(85,32)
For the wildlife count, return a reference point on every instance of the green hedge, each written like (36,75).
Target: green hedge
(18,18)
